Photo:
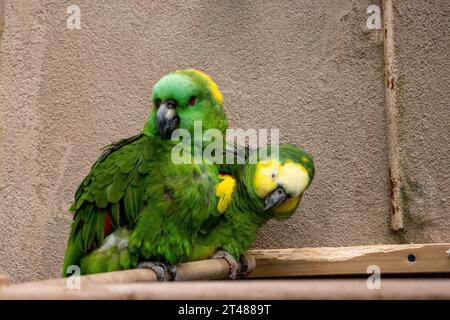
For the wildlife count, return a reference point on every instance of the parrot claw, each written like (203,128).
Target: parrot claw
(234,265)
(173,272)
(248,264)
(160,268)
(157,267)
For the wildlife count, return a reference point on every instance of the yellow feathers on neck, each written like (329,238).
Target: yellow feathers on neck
(224,190)
(287,206)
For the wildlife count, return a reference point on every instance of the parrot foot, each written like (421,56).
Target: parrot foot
(234,265)
(248,264)
(173,272)
(160,268)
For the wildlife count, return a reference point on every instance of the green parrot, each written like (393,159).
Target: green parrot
(270,185)
(137,190)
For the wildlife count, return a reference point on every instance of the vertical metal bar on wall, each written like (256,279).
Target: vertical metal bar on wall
(2,15)
(392,116)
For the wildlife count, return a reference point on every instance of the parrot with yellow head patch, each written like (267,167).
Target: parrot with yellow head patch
(134,188)
(269,186)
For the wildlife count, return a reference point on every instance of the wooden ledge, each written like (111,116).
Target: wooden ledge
(391,259)
(270,263)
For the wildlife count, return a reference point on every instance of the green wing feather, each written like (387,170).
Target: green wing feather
(164,205)
(114,185)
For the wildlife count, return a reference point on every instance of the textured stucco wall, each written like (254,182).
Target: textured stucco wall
(309,68)
(423,42)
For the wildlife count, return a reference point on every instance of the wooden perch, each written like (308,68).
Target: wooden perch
(197,270)
(270,263)
(233,290)
(4,280)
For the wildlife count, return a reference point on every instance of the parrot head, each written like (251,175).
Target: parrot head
(183,97)
(278,182)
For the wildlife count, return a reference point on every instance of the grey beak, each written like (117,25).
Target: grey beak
(167,119)
(277,197)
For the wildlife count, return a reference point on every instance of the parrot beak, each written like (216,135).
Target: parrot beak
(167,119)
(277,197)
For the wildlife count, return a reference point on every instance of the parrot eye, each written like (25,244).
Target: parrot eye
(158,103)
(192,101)
(274,174)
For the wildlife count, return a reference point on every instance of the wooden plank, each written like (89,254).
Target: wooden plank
(256,289)
(392,259)
(4,280)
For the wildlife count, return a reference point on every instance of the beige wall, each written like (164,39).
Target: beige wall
(310,68)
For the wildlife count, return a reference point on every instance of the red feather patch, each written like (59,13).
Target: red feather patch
(107,229)
(108,224)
